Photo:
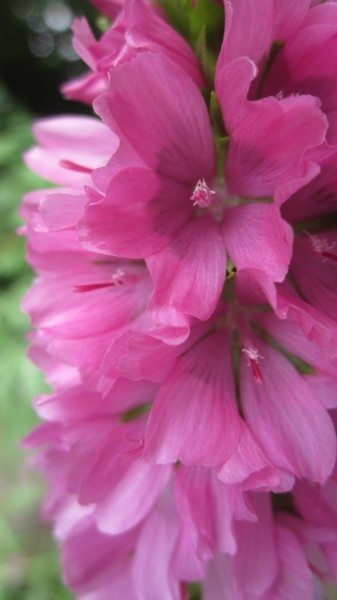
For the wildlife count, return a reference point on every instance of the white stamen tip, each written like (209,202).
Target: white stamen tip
(252,353)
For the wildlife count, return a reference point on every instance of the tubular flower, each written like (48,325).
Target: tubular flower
(184,307)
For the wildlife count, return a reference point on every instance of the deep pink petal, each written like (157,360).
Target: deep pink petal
(291,425)
(139,215)
(260,164)
(256,237)
(189,274)
(162,114)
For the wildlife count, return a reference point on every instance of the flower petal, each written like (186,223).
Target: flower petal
(197,397)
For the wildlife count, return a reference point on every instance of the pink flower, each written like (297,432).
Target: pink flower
(139,27)
(281,59)
(184,310)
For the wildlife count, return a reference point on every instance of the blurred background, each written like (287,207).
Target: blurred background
(36,56)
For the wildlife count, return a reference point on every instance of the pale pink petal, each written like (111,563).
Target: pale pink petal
(91,559)
(131,497)
(152,562)
(295,579)
(220,580)
(256,560)
(60,210)
(70,148)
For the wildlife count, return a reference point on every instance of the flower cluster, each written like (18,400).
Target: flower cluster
(185,305)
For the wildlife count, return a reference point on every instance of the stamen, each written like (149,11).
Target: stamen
(253,356)
(72,166)
(116,280)
(202,194)
(90,287)
(322,246)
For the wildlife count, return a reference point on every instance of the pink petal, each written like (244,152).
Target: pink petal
(306,65)
(157,98)
(248,30)
(250,467)
(91,559)
(60,211)
(290,335)
(318,328)
(81,142)
(317,198)
(154,547)
(220,580)
(139,216)
(295,579)
(110,7)
(131,497)
(289,17)
(263,165)
(197,397)
(256,237)
(189,274)
(291,425)
(314,269)
(209,508)
(256,560)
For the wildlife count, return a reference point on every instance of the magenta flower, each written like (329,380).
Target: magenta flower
(184,310)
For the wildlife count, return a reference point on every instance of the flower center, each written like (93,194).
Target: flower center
(202,195)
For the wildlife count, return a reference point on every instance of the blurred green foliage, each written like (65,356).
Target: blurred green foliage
(29,567)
